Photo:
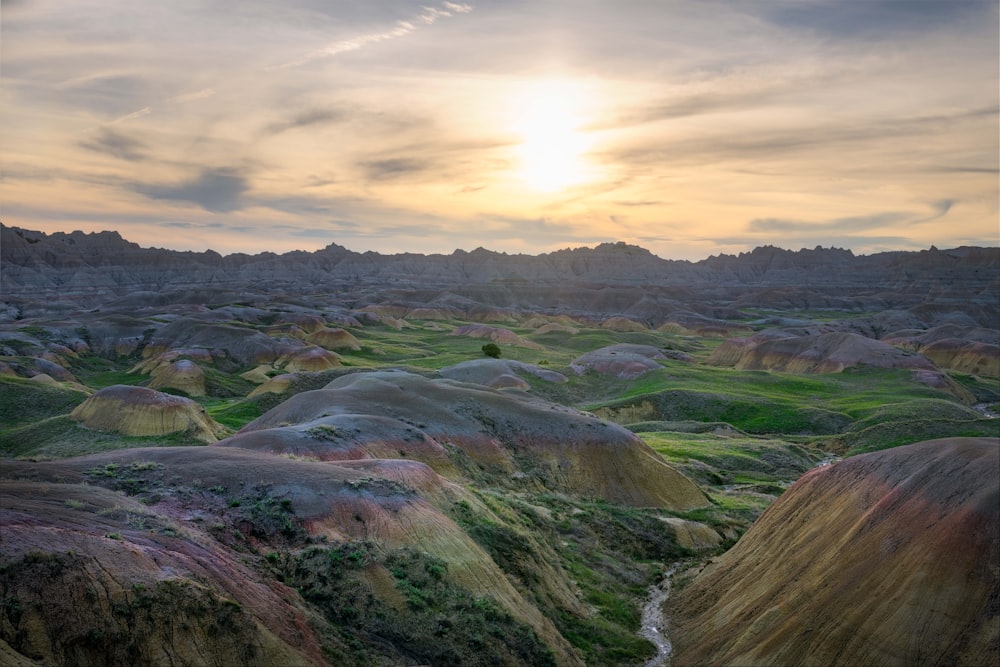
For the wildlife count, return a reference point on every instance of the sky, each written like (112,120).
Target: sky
(688,127)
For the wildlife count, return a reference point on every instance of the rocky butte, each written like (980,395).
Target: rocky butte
(610,278)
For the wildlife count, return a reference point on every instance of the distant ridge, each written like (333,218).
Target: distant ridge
(611,278)
(67,256)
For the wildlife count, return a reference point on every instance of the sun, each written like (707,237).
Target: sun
(552,150)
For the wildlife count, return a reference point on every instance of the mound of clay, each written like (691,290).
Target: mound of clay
(334,339)
(554,327)
(182,374)
(48,380)
(432,314)
(348,438)
(520,440)
(498,335)
(237,345)
(623,324)
(312,359)
(687,323)
(53,369)
(887,558)
(279,384)
(150,364)
(964,356)
(305,321)
(624,361)
(499,373)
(822,353)
(141,411)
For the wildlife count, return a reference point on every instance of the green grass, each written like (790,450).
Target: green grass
(61,437)
(765,402)
(25,402)
(733,460)
(226,385)
(234,413)
(905,432)
(986,390)
(442,622)
(100,380)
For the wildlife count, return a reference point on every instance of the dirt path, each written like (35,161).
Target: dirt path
(654,621)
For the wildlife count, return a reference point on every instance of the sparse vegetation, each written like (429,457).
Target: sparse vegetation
(491,350)
(583,564)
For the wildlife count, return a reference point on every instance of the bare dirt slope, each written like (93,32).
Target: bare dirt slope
(889,558)
(179,575)
(515,438)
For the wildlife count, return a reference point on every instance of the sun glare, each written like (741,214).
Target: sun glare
(552,149)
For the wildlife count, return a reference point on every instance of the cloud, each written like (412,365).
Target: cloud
(306,119)
(380,170)
(191,97)
(428,16)
(103,94)
(860,223)
(941,209)
(874,18)
(727,144)
(183,224)
(116,144)
(215,190)
(145,111)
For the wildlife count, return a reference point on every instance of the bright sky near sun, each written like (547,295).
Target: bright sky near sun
(690,128)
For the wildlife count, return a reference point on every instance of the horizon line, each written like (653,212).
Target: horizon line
(460,251)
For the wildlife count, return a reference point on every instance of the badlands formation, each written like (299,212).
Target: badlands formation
(888,558)
(307,459)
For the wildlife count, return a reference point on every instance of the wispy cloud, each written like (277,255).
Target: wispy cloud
(215,190)
(191,97)
(860,223)
(393,167)
(116,144)
(145,111)
(428,16)
(306,119)
(873,222)
(873,18)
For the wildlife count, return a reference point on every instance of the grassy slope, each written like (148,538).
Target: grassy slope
(609,553)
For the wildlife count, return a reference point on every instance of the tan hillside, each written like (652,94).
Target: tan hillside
(622,361)
(348,438)
(334,339)
(888,558)
(497,430)
(623,324)
(500,373)
(182,374)
(141,411)
(497,335)
(311,360)
(829,352)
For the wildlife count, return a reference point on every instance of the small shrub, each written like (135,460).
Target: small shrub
(491,350)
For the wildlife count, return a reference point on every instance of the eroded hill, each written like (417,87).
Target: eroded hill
(887,558)
(378,491)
